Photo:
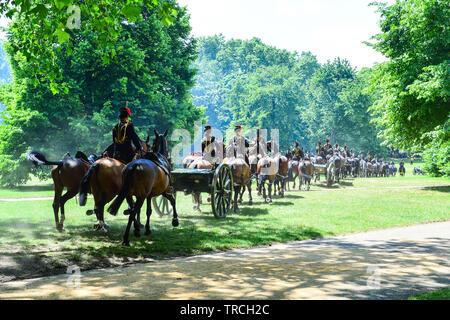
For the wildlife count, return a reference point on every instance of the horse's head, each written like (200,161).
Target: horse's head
(160,143)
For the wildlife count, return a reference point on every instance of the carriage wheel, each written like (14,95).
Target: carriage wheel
(162,206)
(222,191)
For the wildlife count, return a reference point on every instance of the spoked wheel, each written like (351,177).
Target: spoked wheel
(162,206)
(222,191)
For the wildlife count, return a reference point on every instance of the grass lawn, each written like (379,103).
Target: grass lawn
(436,295)
(31,246)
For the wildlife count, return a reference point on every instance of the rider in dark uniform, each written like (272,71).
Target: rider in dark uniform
(241,142)
(297,152)
(123,135)
(327,146)
(207,141)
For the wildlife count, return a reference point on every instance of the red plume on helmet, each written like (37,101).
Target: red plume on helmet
(297,143)
(128,109)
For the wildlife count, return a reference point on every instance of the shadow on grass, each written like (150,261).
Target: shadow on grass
(439,189)
(47,187)
(35,249)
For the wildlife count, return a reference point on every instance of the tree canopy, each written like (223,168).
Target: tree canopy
(49,28)
(259,86)
(414,85)
(153,73)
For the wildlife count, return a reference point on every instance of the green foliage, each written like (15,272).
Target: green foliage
(437,153)
(51,28)
(152,72)
(258,86)
(414,84)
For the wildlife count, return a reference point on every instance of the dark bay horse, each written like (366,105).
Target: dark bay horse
(68,174)
(306,171)
(146,178)
(104,180)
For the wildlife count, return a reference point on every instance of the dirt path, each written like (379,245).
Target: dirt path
(387,264)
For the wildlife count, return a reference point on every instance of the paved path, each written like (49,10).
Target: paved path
(387,264)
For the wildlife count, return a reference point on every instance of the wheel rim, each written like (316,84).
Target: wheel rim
(222,191)
(162,206)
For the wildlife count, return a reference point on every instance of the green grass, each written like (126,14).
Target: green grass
(436,295)
(28,237)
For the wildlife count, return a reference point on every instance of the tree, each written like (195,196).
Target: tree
(153,72)
(49,28)
(414,84)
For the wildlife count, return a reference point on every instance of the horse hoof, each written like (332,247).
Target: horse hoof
(175,223)
(126,243)
(89,212)
(250,203)
(137,233)
(148,232)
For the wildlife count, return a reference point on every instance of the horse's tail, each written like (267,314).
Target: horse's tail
(85,184)
(127,177)
(38,158)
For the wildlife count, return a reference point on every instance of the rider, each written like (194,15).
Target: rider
(297,152)
(369,157)
(336,147)
(347,153)
(208,145)
(240,142)
(123,134)
(327,146)
(319,149)
(208,142)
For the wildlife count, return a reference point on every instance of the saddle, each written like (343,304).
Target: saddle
(159,160)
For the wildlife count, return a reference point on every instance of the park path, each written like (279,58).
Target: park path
(385,264)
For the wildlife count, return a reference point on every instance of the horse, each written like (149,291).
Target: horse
(292,172)
(306,170)
(268,168)
(104,180)
(241,174)
(334,165)
(282,175)
(189,159)
(199,163)
(146,178)
(68,174)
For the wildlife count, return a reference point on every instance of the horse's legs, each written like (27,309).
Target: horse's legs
(130,205)
(68,195)
(56,200)
(237,191)
(172,201)
(137,217)
(131,219)
(149,213)
(241,193)
(249,187)
(270,191)
(196,200)
(99,212)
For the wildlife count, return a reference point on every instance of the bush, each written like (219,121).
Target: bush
(437,155)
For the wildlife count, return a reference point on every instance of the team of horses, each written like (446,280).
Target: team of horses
(339,165)
(148,176)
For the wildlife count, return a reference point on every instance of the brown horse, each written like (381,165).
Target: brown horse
(241,174)
(68,174)
(104,180)
(146,178)
(282,175)
(267,171)
(199,163)
(306,171)
(292,172)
